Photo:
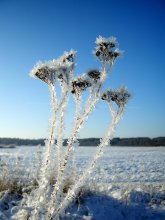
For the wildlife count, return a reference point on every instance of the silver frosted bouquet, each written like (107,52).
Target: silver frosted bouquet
(50,201)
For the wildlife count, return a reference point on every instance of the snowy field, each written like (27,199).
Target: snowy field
(128,182)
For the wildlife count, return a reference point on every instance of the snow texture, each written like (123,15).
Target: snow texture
(128,183)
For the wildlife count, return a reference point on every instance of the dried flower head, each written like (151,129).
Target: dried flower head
(60,68)
(79,85)
(119,96)
(94,74)
(44,72)
(106,50)
(68,56)
(63,72)
(64,66)
(106,42)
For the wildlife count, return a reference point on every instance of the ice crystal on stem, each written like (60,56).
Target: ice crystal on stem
(51,201)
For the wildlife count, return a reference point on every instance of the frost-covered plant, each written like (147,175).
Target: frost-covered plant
(50,202)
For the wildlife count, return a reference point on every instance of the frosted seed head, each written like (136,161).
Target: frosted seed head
(68,56)
(106,42)
(79,85)
(60,68)
(119,96)
(117,53)
(106,50)
(122,96)
(44,72)
(64,66)
(63,74)
(94,74)
(104,96)
(109,95)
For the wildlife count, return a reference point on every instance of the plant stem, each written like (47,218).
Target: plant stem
(59,184)
(72,193)
(91,102)
(45,180)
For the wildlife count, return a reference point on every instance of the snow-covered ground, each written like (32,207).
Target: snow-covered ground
(128,182)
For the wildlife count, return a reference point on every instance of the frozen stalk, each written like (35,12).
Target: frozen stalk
(61,69)
(120,97)
(77,87)
(93,79)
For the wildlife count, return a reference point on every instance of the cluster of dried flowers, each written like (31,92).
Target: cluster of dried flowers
(107,50)
(120,96)
(52,70)
(49,203)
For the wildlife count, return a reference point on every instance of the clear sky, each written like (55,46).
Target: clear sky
(32,30)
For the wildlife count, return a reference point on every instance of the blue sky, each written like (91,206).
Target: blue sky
(42,30)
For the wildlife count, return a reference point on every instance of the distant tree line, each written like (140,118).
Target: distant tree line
(20,142)
(138,141)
